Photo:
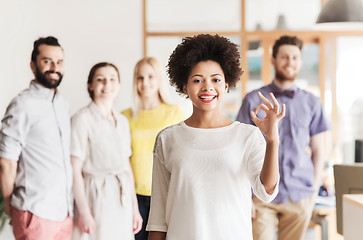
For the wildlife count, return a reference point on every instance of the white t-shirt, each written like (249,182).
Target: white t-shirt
(202,181)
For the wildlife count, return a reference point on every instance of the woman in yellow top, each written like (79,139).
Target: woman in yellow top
(150,113)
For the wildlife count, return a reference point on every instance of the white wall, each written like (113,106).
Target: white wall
(89,31)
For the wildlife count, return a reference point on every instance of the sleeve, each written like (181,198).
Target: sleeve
(15,127)
(319,122)
(79,136)
(244,115)
(255,161)
(159,191)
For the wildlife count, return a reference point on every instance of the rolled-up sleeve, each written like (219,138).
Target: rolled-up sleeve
(15,127)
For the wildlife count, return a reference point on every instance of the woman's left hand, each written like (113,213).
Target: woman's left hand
(137,222)
(269,124)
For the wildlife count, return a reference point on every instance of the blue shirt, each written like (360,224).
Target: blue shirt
(303,119)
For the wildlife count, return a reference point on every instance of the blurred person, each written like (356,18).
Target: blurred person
(106,205)
(36,173)
(151,112)
(300,151)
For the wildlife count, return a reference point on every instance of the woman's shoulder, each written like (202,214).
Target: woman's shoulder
(169,131)
(245,129)
(127,113)
(171,107)
(82,113)
(174,110)
(245,126)
(121,117)
(82,118)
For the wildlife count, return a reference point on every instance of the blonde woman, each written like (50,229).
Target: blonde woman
(106,205)
(150,113)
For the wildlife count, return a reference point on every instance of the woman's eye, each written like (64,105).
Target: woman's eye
(216,80)
(197,80)
(99,79)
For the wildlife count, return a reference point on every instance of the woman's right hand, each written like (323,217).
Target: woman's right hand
(86,223)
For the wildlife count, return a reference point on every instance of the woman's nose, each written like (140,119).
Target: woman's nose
(208,87)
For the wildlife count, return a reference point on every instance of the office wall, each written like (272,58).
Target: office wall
(89,31)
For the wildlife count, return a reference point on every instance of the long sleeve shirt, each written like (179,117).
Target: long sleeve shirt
(36,134)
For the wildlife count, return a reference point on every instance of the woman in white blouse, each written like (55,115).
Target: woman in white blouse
(205,166)
(106,205)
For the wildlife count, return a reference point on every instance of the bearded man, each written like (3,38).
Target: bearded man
(36,173)
(300,151)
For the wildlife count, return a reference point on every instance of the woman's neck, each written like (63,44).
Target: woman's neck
(149,103)
(105,108)
(208,119)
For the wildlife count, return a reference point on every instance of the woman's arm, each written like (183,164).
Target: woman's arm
(157,235)
(269,127)
(137,219)
(270,170)
(86,222)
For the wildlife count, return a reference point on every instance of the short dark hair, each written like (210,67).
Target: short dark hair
(92,74)
(204,47)
(286,40)
(52,41)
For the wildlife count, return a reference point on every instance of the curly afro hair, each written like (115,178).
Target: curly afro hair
(199,48)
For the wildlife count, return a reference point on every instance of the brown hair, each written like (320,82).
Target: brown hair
(286,40)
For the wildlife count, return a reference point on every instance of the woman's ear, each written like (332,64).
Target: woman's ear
(226,87)
(185,91)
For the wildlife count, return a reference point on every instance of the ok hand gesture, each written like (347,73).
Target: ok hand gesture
(269,124)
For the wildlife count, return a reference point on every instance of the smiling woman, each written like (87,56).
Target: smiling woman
(104,193)
(208,163)
(151,112)
(206,85)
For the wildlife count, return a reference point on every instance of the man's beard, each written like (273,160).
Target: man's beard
(282,77)
(47,82)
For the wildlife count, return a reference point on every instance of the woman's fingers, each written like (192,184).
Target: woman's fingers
(267,106)
(261,107)
(282,113)
(276,103)
(275,106)
(254,118)
(265,100)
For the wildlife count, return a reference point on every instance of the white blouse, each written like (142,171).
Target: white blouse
(104,147)
(202,181)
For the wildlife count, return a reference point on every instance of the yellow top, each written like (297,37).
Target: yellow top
(144,129)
